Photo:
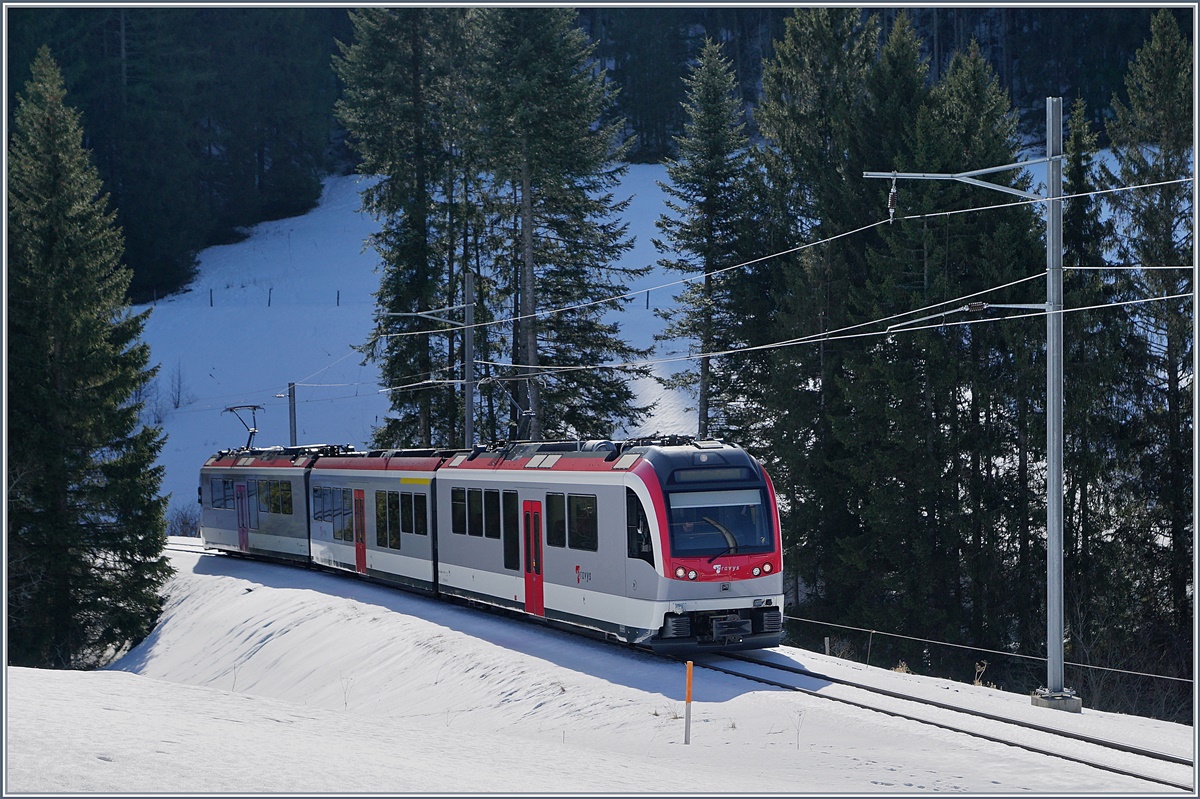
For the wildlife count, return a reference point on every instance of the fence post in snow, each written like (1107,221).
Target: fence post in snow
(687,707)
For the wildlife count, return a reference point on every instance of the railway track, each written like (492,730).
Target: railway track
(1113,756)
(197,548)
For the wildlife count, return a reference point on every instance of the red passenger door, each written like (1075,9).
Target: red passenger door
(360,532)
(535,602)
(243,515)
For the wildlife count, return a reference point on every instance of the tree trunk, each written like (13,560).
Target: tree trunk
(528,304)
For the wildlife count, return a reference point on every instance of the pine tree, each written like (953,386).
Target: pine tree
(813,97)
(986,380)
(707,228)
(86,527)
(894,450)
(653,52)
(1152,137)
(1103,368)
(555,165)
(389,110)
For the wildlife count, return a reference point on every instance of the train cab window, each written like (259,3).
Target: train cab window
(556,520)
(512,532)
(713,523)
(421,514)
(581,530)
(638,526)
(474,511)
(458,510)
(491,513)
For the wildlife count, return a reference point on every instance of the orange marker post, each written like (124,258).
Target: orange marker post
(687,707)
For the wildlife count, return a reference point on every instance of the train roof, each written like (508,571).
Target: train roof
(674,458)
(282,457)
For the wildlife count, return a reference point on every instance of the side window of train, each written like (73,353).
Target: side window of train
(491,513)
(581,530)
(321,504)
(341,513)
(556,520)
(512,531)
(421,513)
(404,511)
(458,510)
(381,518)
(334,512)
(475,511)
(638,525)
(222,493)
(347,515)
(252,503)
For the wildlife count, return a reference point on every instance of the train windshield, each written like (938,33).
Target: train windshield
(714,523)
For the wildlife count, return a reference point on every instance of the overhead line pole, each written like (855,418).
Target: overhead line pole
(1055,694)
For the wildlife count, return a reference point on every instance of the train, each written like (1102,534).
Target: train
(667,543)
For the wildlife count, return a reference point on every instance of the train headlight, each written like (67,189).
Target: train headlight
(756,571)
(767,567)
(692,574)
(680,572)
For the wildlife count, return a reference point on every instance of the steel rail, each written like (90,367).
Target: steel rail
(791,686)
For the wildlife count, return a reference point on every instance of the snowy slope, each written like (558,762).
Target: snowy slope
(290,302)
(264,678)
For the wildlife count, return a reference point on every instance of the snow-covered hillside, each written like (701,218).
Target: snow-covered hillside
(264,678)
(290,302)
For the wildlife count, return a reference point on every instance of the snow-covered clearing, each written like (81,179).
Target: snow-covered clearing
(265,678)
(288,304)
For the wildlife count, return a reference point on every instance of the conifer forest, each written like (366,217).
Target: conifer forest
(911,462)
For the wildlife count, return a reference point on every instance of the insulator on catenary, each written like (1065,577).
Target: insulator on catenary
(892,203)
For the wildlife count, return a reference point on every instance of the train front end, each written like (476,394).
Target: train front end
(717,520)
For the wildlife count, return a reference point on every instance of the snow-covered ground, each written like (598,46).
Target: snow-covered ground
(265,678)
(290,302)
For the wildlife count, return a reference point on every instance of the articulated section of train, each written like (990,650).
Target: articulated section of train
(668,543)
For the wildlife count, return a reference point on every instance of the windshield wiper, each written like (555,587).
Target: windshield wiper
(733,543)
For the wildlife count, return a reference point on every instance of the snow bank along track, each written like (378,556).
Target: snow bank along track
(1133,761)
(1161,768)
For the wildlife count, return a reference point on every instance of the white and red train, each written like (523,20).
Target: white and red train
(671,543)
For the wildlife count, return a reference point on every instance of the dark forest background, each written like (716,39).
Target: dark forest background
(203,121)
